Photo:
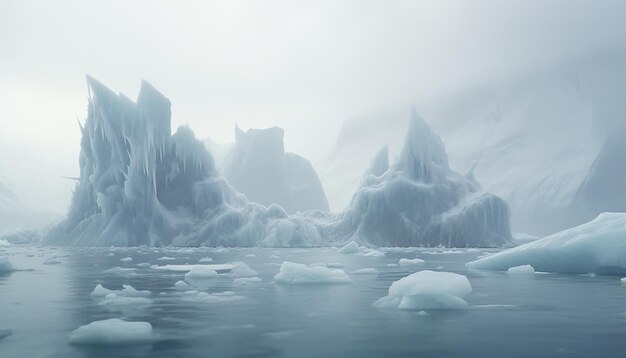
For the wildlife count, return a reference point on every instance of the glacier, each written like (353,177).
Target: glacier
(598,246)
(258,167)
(141,185)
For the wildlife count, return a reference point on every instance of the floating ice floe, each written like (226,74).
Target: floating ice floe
(242,281)
(166,258)
(411,262)
(366,271)
(113,332)
(205,260)
(4,243)
(143,264)
(204,297)
(181,285)
(353,248)
(523,270)
(598,246)
(126,259)
(127,291)
(293,274)
(200,272)
(623,280)
(427,290)
(121,271)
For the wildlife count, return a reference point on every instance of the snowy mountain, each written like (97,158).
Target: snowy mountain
(551,144)
(141,185)
(258,167)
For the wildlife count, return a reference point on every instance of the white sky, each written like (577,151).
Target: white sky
(303,65)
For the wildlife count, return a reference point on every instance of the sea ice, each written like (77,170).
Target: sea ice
(350,248)
(411,262)
(205,260)
(121,271)
(200,272)
(113,332)
(365,271)
(294,273)
(597,246)
(523,270)
(427,290)
(126,259)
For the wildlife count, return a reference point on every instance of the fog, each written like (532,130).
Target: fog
(306,67)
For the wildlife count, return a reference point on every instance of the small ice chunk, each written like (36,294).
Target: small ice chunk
(366,271)
(181,285)
(251,255)
(242,281)
(143,264)
(200,272)
(5,265)
(410,262)
(205,260)
(293,273)
(4,243)
(113,332)
(350,248)
(522,270)
(427,290)
(130,291)
(120,271)
(204,297)
(100,291)
(126,259)
(110,254)
(241,269)
(166,258)
(623,280)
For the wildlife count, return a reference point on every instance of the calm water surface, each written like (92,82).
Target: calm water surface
(546,315)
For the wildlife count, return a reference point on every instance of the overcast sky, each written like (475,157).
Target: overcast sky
(305,66)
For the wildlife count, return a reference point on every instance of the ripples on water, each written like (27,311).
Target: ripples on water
(542,315)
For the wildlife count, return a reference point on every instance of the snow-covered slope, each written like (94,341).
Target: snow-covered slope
(552,143)
(258,167)
(140,185)
(598,246)
(420,201)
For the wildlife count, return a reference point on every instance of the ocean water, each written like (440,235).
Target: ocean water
(545,315)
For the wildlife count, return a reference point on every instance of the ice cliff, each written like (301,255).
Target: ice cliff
(259,167)
(141,185)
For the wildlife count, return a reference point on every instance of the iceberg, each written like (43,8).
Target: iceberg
(427,290)
(299,274)
(420,201)
(259,167)
(113,332)
(598,246)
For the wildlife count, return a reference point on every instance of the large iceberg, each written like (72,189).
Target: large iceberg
(259,167)
(420,201)
(141,185)
(598,246)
